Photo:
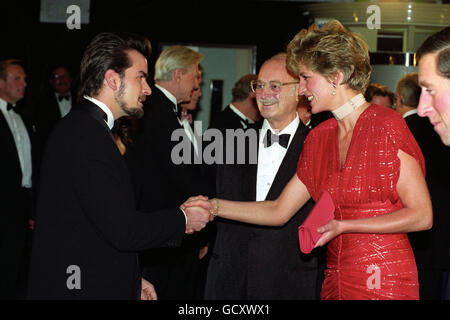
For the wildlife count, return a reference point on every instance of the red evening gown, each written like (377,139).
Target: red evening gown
(363,266)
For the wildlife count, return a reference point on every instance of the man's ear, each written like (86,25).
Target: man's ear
(112,79)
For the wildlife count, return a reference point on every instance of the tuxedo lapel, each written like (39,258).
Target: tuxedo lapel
(289,163)
(7,136)
(97,113)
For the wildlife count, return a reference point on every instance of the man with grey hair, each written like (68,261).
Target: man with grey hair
(159,182)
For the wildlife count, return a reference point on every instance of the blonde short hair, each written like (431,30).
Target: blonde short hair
(330,49)
(175,57)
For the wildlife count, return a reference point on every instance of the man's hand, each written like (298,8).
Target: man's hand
(197,217)
(148,291)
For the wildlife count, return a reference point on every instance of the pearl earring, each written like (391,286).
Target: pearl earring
(333,93)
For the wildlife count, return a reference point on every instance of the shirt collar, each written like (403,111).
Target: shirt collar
(289,129)
(240,114)
(3,105)
(410,112)
(169,96)
(105,108)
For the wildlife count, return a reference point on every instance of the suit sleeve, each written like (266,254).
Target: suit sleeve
(106,196)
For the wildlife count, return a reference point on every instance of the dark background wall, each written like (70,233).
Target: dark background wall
(269,25)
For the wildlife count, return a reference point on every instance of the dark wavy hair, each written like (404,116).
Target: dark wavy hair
(108,50)
(438,42)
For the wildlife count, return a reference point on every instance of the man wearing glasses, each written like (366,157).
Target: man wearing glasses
(247,260)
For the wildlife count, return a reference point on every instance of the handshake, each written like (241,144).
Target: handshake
(199,211)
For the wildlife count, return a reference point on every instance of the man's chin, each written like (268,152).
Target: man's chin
(136,112)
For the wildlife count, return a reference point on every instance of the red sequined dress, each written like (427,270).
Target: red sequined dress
(363,266)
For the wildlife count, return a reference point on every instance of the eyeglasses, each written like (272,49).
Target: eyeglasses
(274,85)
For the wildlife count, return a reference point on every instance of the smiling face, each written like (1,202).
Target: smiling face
(316,88)
(13,87)
(278,108)
(133,86)
(435,97)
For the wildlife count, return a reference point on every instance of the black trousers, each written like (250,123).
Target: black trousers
(13,245)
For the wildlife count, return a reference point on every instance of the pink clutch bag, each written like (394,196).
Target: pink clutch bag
(322,212)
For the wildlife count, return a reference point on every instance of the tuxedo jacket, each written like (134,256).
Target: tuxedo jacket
(432,247)
(227,119)
(11,178)
(257,262)
(87,231)
(160,183)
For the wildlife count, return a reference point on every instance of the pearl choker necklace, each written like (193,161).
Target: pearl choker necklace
(348,107)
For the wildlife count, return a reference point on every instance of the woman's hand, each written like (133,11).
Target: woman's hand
(329,231)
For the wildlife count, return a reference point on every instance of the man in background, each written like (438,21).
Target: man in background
(16,141)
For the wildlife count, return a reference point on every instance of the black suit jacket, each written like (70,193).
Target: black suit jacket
(256,262)
(160,183)
(432,247)
(86,216)
(11,180)
(228,119)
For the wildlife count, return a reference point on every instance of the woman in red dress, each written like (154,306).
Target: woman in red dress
(368,161)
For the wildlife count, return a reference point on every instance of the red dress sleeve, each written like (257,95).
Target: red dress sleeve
(315,161)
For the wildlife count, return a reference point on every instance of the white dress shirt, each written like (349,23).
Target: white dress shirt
(269,159)
(104,107)
(22,141)
(64,105)
(410,112)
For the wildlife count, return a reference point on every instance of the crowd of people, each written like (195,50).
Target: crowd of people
(96,208)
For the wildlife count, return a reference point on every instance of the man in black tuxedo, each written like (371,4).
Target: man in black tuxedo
(242,111)
(429,246)
(254,262)
(16,140)
(161,177)
(55,103)
(88,231)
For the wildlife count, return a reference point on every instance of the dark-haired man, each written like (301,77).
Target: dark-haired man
(433,58)
(434,78)
(87,230)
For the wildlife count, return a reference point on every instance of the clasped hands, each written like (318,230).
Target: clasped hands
(199,211)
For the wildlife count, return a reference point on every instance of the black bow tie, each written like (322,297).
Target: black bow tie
(282,139)
(60,98)
(9,106)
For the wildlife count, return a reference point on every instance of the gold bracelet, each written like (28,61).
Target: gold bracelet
(215,213)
